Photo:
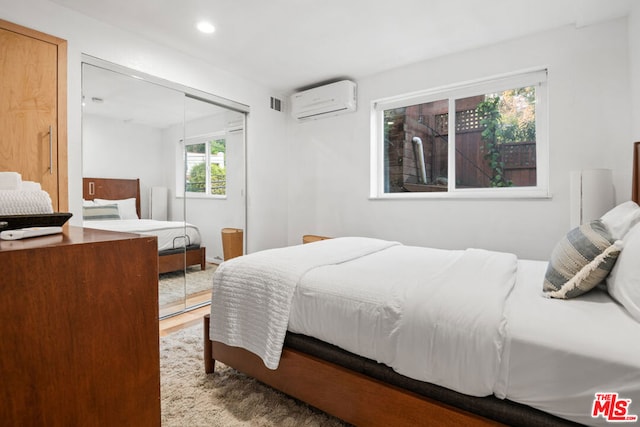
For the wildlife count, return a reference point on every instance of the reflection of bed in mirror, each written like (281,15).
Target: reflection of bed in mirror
(173,236)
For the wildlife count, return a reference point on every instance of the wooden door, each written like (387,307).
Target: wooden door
(32,127)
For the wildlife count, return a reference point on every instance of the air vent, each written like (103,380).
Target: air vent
(276,104)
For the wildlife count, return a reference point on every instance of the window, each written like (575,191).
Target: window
(205,171)
(495,145)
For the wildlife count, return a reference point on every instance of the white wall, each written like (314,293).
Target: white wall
(589,128)
(634,58)
(266,199)
(113,149)
(315,178)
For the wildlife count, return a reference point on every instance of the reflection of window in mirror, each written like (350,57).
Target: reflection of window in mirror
(205,171)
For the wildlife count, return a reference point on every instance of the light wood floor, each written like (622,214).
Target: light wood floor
(184,320)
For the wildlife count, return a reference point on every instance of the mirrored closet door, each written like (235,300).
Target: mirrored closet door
(185,152)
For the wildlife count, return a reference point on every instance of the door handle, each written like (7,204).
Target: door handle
(50,151)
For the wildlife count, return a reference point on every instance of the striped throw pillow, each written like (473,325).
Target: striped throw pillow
(581,261)
(100,212)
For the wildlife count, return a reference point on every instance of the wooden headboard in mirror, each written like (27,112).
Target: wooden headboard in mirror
(112,189)
(635,190)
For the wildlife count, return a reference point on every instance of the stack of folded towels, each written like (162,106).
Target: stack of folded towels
(19,197)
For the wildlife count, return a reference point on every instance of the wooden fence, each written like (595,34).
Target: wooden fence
(472,169)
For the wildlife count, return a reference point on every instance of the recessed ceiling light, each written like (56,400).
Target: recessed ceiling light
(205,27)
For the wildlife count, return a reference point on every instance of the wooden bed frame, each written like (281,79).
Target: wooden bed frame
(348,395)
(116,189)
(353,397)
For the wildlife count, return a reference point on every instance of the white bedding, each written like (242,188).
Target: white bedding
(397,320)
(171,234)
(432,315)
(473,321)
(253,293)
(559,353)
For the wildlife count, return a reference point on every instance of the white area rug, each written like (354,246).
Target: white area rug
(192,398)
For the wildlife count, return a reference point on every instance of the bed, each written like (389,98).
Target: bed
(493,353)
(173,236)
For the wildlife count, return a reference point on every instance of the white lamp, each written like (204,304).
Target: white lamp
(158,203)
(592,195)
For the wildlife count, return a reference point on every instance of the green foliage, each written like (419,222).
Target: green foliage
(197,179)
(195,148)
(218,180)
(218,146)
(488,110)
(507,117)
(517,115)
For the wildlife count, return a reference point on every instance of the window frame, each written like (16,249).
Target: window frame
(200,139)
(537,77)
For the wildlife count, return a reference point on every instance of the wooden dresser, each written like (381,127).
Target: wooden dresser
(79,342)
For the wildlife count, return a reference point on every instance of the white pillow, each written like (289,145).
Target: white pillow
(580,261)
(621,219)
(623,283)
(100,212)
(88,203)
(126,207)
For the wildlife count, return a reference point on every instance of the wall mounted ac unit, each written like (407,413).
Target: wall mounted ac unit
(323,101)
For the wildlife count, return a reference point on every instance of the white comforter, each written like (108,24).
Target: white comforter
(430,314)
(252,294)
(170,234)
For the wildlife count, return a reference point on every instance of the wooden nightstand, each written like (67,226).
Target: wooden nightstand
(309,238)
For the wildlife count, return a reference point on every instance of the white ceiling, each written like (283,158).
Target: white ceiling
(136,101)
(289,44)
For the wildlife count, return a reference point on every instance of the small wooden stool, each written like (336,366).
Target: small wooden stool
(309,238)
(232,243)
